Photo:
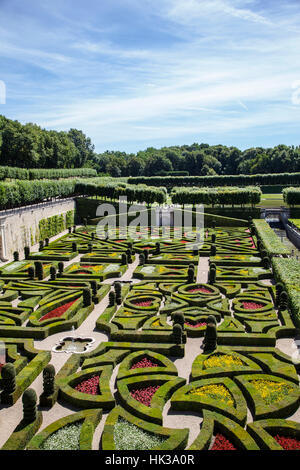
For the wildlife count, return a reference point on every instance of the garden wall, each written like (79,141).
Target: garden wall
(20,227)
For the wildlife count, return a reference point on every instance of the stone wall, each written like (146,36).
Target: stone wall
(19,227)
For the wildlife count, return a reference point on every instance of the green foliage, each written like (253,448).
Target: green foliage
(216,195)
(291,196)
(270,241)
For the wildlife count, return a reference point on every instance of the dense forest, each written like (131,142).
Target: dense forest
(30,146)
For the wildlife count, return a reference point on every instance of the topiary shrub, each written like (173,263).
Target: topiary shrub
(41,245)
(87,297)
(191,275)
(157,251)
(177,333)
(46,241)
(90,248)
(213,238)
(74,228)
(16,256)
(112,298)
(124,259)
(210,337)
(94,287)
(48,380)
(146,254)
(8,374)
(52,273)
(70,229)
(213,250)
(30,272)
(74,247)
(266,262)
(39,270)
(178,318)
(212,275)
(26,252)
(283,300)
(29,400)
(61,267)
(142,259)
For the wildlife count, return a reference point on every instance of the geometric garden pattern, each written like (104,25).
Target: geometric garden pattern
(245,391)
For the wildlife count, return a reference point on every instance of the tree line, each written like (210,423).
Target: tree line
(29,146)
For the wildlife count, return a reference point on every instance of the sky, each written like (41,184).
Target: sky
(133,74)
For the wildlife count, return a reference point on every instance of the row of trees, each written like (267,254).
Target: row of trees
(225,180)
(30,146)
(217,196)
(21,193)
(110,191)
(291,196)
(10,172)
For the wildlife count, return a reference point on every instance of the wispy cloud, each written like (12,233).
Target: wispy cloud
(131,75)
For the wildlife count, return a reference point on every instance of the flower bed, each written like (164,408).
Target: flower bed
(271,391)
(66,438)
(252,305)
(144,395)
(214,392)
(287,443)
(145,362)
(204,290)
(57,312)
(222,360)
(90,386)
(222,443)
(127,436)
(195,325)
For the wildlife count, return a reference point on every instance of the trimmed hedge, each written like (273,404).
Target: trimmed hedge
(269,239)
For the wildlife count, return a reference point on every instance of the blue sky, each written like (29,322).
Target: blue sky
(138,73)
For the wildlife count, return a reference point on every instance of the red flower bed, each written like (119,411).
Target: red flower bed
(57,312)
(145,362)
(86,266)
(145,303)
(204,290)
(287,443)
(144,395)
(82,272)
(221,443)
(195,325)
(252,305)
(90,386)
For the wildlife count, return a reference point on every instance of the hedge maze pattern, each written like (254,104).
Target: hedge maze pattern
(243,390)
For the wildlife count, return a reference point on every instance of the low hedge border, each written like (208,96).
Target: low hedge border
(89,418)
(264,430)
(260,410)
(175,438)
(165,365)
(152,413)
(200,371)
(183,400)
(214,422)
(23,433)
(104,400)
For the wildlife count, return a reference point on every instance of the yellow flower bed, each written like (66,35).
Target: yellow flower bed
(156,324)
(215,392)
(271,391)
(222,360)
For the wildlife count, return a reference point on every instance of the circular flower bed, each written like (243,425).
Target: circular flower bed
(145,362)
(144,395)
(287,443)
(57,312)
(90,386)
(222,443)
(271,391)
(215,392)
(204,290)
(222,360)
